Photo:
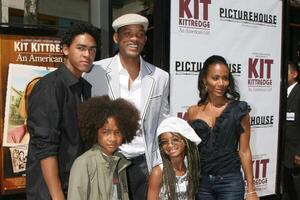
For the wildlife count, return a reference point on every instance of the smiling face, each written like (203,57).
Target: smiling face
(80,54)
(109,137)
(172,144)
(217,80)
(131,40)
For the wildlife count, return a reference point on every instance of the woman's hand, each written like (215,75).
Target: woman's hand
(252,196)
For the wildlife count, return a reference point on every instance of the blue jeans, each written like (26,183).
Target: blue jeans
(225,187)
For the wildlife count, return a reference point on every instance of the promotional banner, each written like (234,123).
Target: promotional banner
(248,35)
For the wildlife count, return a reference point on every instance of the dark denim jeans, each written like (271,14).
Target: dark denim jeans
(137,174)
(226,187)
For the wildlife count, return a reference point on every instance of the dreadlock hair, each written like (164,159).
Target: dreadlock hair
(193,170)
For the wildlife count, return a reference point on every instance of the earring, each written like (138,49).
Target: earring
(205,88)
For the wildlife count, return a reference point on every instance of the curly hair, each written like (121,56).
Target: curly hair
(78,29)
(231,92)
(193,169)
(93,114)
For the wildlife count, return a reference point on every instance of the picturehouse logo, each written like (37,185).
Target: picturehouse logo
(262,121)
(235,68)
(188,67)
(248,17)
(184,67)
(194,16)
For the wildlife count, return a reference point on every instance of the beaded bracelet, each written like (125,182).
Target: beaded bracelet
(253,192)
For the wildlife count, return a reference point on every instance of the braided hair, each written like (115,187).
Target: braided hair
(193,170)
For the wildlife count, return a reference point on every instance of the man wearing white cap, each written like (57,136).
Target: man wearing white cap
(128,76)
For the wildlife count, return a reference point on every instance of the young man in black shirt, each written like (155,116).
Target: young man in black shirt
(52,116)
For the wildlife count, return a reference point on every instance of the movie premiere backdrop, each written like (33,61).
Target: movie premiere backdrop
(24,59)
(248,35)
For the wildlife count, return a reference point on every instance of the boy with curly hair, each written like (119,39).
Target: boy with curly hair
(100,173)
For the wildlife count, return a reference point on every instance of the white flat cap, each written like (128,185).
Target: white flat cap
(130,19)
(178,125)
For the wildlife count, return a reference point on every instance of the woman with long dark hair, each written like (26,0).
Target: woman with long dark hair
(222,122)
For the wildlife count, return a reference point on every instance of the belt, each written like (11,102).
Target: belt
(140,158)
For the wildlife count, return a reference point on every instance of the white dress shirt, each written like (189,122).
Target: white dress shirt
(137,146)
(290,88)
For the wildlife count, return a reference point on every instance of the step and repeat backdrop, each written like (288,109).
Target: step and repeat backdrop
(248,35)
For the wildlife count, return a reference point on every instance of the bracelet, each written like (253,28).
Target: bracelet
(253,192)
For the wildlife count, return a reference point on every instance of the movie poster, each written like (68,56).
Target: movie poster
(24,60)
(21,79)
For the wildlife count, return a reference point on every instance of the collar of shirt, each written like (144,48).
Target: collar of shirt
(290,88)
(134,94)
(80,85)
(69,77)
(121,69)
